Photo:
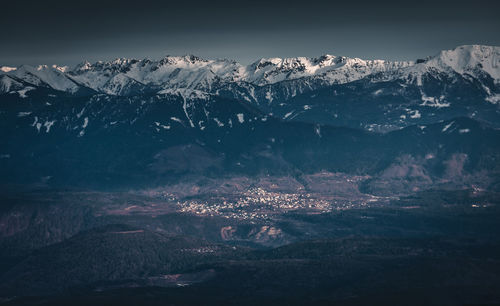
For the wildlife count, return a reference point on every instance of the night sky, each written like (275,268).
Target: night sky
(68,32)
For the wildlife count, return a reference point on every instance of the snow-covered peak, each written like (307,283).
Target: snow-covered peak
(43,75)
(84,66)
(61,68)
(272,70)
(195,73)
(7,69)
(184,61)
(186,71)
(468,59)
(122,61)
(335,69)
(193,59)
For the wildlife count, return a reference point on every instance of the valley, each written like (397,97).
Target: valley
(143,239)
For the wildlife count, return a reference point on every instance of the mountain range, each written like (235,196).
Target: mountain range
(144,120)
(334,90)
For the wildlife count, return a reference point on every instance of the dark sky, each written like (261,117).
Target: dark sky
(68,32)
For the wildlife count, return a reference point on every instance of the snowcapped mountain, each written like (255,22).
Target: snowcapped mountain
(143,120)
(45,76)
(460,82)
(334,69)
(475,63)
(475,60)
(191,72)
(375,95)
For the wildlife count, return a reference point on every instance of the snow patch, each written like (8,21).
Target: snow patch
(241,117)
(22,92)
(23,114)
(415,114)
(287,115)
(48,125)
(80,113)
(317,130)
(495,99)
(433,102)
(85,122)
(447,126)
(177,120)
(184,107)
(37,124)
(219,123)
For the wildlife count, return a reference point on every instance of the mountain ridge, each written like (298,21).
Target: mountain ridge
(193,72)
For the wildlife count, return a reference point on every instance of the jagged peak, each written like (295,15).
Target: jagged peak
(123,61)
(187,58)
(193,58)
(83,66)
(325,60)
(61,68)
(191,71)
